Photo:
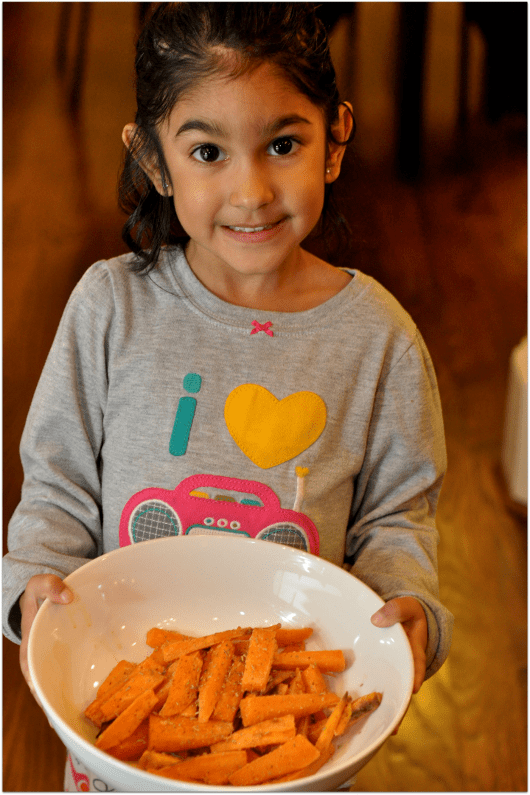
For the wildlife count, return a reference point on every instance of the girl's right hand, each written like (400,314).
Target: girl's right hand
(40,587)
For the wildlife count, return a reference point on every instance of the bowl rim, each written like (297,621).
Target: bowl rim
(146,777)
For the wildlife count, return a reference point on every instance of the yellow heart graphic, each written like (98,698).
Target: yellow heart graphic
(271,431)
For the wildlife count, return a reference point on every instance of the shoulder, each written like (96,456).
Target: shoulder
(105,275)
(378,305)
(114,283)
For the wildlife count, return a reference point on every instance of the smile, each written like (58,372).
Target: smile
(254,234)
(250,228)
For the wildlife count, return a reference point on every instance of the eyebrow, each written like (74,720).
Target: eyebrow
(212,128)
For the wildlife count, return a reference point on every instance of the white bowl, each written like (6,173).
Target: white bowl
(199,585)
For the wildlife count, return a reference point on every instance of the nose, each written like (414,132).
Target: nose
(252,189)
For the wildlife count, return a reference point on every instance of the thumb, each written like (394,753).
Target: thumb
(60,593)
(387,615)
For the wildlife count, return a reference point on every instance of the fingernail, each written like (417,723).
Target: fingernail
(377,619)
(64,597)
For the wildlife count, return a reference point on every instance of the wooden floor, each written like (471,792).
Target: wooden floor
(453,251)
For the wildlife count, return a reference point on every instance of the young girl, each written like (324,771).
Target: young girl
(220,350)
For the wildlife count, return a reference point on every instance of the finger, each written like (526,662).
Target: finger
(417,640)
(56,591)
(391,613)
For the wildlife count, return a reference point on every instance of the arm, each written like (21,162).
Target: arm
(392,541)
(57,525)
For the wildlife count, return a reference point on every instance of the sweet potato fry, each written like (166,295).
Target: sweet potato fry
(128,720)
(286,637)
(330,660)
(344,721)
(314,680)
(132,748)
(179,647)
(179,733)
(270,732)
(276,678)
(216,670)
(296,684)
(154,662)
(118,674)
(308,770)
(138,682)
(109,686)
(302,725)
(293,647)
(261,650)
(209,768)
(292,755)
(328,732)
(364,705)
(315,729)
(241,646)
(231,692)
(260,708)
(157,637)
(154,759)
(184,684)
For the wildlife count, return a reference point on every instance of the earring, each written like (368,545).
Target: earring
(328,171)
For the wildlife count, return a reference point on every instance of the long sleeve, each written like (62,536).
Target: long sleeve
(393,536)
(57,524)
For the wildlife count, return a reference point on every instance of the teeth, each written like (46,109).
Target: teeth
(251,228)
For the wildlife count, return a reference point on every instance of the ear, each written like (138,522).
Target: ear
(151,170)
(341,131)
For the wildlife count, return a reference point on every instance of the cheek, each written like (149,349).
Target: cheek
(194,204)
(310,194)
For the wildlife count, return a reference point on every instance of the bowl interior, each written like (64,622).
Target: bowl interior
(198,585)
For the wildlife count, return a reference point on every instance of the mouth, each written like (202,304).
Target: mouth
(254,234)
(251,229)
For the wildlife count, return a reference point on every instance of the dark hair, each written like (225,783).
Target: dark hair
(174,52)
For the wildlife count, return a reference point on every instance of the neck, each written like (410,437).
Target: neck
(303,282)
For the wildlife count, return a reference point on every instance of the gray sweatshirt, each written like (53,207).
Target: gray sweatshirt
(164,410)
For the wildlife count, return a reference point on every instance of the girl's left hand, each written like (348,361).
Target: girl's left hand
(407,611)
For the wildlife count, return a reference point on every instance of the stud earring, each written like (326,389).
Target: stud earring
(328,171)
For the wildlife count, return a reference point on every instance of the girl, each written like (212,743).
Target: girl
(222,351)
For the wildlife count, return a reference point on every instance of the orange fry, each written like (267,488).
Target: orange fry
(210,768)
(231,693)
(255,709)
(137,683)
(269,732)
(292,755)
(286,637)
(328,732)
(132,748)
(184,684)
(210,687)
(127,722)
(179,647)
(308,770)
(157,637)
(180,733)
(364,705)
(330,660)
(261,650)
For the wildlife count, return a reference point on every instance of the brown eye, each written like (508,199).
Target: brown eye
(207,153)
(283,146)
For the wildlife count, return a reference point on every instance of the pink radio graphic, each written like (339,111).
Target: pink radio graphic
(200,505)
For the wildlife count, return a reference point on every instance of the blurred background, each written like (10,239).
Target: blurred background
(435,189)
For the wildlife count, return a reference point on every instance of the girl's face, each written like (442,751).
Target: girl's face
(247,160)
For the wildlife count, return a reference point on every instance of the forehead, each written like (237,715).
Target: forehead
(253,98)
